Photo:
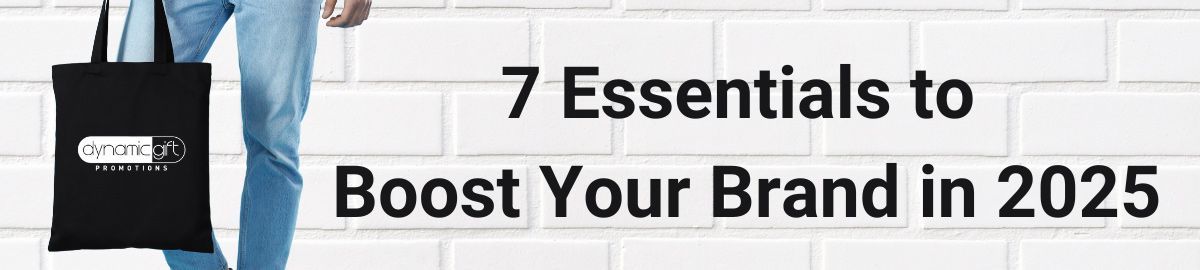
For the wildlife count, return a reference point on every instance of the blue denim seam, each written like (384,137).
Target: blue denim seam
(212,28)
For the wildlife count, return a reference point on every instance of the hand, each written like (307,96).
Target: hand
(353,14)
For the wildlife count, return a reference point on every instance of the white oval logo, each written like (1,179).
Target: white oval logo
(131,149)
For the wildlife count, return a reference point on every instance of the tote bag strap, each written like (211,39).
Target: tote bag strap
(163,53)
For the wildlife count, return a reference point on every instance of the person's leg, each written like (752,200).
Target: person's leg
(194,26)
(276,45)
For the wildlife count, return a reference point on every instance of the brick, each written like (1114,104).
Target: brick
(482,126)
(1176,187)
(534,3)
(22,3)
(518,254)
(991,195)
(51,40)
(447,50)
(373,123)
(225,123)
(915,254)
(318,199)
(20,254)
(917,4)
(394,4)
(1108,255)
(718,5)
(364,254)
(695,209)
(112,259)
(50,124)
(1159,51)
(983,131)
(637,50)
(378,219)
(329,63)
(779,219)
(678,135)
(22,119)
(88,3)
(31,187)
(405,3)
(229,248)
(1110,124)
(713,254)
(815,49)
(1015,51)
(225,195)
(1109,4)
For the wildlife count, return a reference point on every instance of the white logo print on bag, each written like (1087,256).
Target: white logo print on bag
(131,149)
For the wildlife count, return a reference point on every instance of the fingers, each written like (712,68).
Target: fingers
(366,11)
(360,10)
(368,14)
(343,20)
(328,9)
(353,14)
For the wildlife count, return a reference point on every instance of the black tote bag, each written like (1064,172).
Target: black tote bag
(131,154)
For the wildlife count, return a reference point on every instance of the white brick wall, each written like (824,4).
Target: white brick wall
(915,255)
(1109,254)
(1110,124)
(365,254)
(1158,51)
(629,49)
(879,50)
(447,50)
(87,3)
(367,123)
(1110,4)
(417,93)
(135,259)
(32,189)
(917,4)
(20,254)
(718,4)
(714,254)
(530,255)
(21,3)
(482,126)
(533,3)
(22,135)
(1015,50)
(51,40)
(225,123)
(406,3)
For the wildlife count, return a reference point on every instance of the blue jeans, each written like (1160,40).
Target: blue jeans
(276,45)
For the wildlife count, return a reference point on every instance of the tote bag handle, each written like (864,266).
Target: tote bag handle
(163,53)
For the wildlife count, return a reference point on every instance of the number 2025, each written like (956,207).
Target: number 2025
(1093,207)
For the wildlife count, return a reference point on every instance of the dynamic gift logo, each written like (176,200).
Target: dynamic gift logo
(131,149)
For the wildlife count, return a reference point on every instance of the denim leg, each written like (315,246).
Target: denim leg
(194,26)
(276,45)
